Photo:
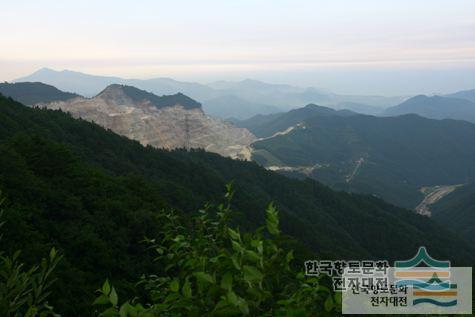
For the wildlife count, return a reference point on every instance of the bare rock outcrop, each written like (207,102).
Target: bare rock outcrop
(169,122)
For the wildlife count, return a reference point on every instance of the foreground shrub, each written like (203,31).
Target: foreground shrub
(24,292)
(212,269)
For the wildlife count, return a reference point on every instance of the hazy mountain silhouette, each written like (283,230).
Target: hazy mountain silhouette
(435,107)
(224,97)
(464,94)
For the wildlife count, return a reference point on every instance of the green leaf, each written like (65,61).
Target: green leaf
(106,288)
(109,312)
(113,297)
(175,285)
(186,289)
(328,304)
(272,220)
(127,310)
(234,234)
(52,253)
(252,274)
(235,261)
(290,256)
(227,281)
(101,300)
(253,256)
(243,307)
(236,246)
(232,298)
(205,277)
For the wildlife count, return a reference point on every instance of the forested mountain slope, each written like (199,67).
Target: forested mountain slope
(457,211)
(391,157)
(93,195)
(30,93)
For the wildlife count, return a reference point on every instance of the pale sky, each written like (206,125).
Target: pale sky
(365,46)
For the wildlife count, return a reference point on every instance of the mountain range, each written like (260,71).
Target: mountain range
(338,147)
(218,98)
(391,157)
(92,194)
(436,107)
(464,94)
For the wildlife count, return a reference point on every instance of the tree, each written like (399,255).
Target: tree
(24,292)
(211,269)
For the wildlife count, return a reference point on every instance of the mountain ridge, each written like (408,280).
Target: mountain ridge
(258,93)
(435,107)
(267,125)
(138,95)
(34,92)
(201,170)
(392,157)
(463,94)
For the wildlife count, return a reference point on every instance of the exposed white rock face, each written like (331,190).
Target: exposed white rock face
(169,127)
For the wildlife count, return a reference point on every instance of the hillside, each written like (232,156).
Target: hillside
(457,211)
(267,125)
(390,157)
(92,194)
(30,93)
(174,121)
(435,107)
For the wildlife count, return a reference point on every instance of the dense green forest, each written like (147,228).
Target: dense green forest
(203,267)
(95,196)
(457,211)
(390,157)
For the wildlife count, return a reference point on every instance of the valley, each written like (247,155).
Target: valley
(391,157)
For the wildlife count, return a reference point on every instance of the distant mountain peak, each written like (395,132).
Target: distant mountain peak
(43,71)
(314,109)
(312,105)
(118,91)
